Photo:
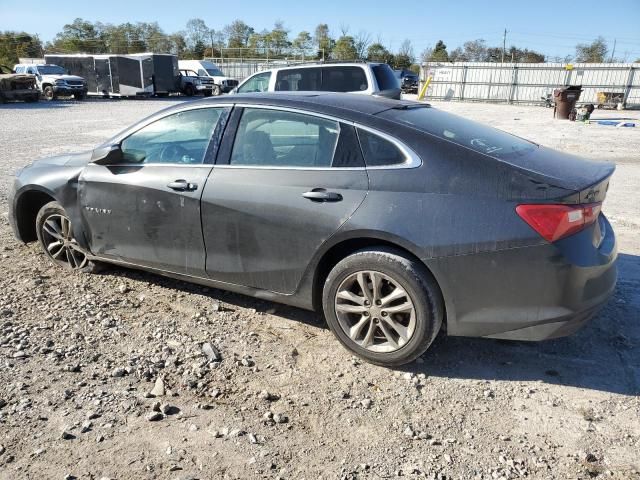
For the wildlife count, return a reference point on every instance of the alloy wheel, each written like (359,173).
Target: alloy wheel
(59,243)
(375,311)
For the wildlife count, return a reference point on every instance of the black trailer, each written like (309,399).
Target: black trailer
(141,74)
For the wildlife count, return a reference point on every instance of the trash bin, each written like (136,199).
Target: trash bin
(566,99)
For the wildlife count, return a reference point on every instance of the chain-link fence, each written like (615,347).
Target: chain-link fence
(531,82)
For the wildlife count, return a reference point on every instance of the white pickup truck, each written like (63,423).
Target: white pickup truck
(53,81)
(205,68)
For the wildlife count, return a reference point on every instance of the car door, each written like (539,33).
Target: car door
(283,184)
(145,209)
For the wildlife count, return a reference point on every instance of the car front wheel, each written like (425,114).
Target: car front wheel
(56,237)
(383,306)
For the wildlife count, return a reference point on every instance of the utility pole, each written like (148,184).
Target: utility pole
(211,35)
(504,44)
(613,51)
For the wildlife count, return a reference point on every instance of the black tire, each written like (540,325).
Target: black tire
(50,212)
(207,93)
(414,279)
(188,90)
(47,93)
(216,90)
(79,96)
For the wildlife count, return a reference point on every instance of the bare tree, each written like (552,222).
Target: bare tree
(362,41)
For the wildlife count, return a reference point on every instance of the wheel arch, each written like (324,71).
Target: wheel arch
(27,205)
(341,249)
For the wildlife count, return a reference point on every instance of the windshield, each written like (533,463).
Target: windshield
(215,72)
(467,133)
(51,70)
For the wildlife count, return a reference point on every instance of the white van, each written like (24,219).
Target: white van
(205,68)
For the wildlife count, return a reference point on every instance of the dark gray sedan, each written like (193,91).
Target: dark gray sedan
(392,218)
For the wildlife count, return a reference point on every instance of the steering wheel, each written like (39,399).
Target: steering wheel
(174,154)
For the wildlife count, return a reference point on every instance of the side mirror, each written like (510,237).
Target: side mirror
(107,155)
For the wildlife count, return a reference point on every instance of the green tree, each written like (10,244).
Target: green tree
(439,53)
(278,40)
(237,34)
(378,53)
(405,57)
(80,36)
(323,40)
(594,52)
(198,35)
(302,43)
(344,49)
(18,44)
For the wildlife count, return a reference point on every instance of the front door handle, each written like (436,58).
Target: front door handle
(182,186)
(321,195)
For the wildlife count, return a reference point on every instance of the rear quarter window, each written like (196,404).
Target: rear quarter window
(378,151)
(385,77)
(473,135)
(344,79)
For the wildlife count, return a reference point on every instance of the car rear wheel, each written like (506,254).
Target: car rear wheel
(383,306)
(55,234)
(78,96)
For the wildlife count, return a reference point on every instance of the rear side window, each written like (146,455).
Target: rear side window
(385,77)
(378,151)
(344,79)
(299,79)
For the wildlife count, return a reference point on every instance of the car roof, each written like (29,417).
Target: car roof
(321,65)
(342,105)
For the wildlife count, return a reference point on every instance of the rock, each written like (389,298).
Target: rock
(447,458)
(66,435)
(87,425)
(154,416)
(252,438)
(3,402)
(158,389)
(118,372)
(366,403)
(2,449)
(20,354)
(270,397)
(193,427)
(280,418)
(166,408)
(211,352)
(408,432)
(247,362)
(122,288)
(93,415)
(155,406)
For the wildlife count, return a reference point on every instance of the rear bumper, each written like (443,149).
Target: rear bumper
(529,293)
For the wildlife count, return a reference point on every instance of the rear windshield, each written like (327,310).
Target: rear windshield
(385,77)
(467,133)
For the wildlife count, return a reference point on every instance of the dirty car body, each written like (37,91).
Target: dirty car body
(15,86)
(511,232)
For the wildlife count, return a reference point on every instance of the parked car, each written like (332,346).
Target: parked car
(390,217)
(365,78)
(408,80)
(205,68)
(192,84)
(53,81)
(16,86)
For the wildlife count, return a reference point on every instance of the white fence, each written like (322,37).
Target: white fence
(530,82)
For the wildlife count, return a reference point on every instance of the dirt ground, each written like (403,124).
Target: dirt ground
(80,354)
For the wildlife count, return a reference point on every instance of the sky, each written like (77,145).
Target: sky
(542,25)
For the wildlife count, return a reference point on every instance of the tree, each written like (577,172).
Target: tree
(79,36)
(18,44)
(302,43)
(344,49)
(197,35)
(378,53)
(404,58)
(439,53)
(323,40)
(595,52)
(425,56)
(362,41)
(238,34)
(278,39)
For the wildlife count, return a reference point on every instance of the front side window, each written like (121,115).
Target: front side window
(257,83)
(179,138)
(274,138)
(378,151)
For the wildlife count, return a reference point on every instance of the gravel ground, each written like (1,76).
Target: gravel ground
(127,375)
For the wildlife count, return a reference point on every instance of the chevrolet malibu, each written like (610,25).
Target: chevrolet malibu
(392,218)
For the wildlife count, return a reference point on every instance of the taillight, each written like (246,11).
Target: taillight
(554,222)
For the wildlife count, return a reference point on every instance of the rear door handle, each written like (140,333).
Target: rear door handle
(321,195)
(182,186)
